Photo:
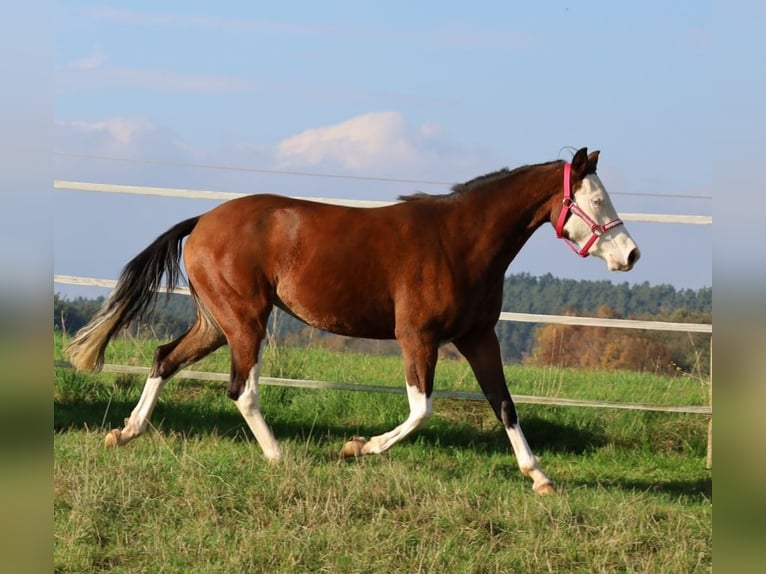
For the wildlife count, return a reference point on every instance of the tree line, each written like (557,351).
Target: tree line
(561,345)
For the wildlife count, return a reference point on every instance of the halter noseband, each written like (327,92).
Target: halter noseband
(571,206)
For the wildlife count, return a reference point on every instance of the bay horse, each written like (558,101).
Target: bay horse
(426,270)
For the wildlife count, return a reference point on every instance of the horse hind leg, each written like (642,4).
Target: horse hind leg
(200,340)
(242,307)
(246,351)
(248,404)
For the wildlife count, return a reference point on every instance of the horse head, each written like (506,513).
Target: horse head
(589,221)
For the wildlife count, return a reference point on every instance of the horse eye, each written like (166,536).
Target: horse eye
(596,201)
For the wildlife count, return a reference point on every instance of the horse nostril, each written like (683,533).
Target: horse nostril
(633,256)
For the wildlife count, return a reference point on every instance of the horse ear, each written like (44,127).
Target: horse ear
(593,161)
(580,163)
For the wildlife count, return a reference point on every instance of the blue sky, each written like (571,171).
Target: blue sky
(429,91)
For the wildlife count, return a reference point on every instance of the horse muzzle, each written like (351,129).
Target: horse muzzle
(632,258)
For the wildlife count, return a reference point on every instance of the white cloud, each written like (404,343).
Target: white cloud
(381,144)
(117,132)
(367,141)
(90,62)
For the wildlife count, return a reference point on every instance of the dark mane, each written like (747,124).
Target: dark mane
(484,180)
(480,181)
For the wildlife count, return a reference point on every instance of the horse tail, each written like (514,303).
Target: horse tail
(134,294)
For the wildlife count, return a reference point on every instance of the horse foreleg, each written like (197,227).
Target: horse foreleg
(483,354)
(421,407)
(420,361)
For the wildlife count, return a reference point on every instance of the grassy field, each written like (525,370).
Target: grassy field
(195,494)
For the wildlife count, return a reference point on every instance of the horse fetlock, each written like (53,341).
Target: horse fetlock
(541,484)
(375,445)
(529,467)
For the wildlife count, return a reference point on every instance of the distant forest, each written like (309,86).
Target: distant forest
(588,347)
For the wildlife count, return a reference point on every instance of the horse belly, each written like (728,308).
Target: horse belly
(338,311)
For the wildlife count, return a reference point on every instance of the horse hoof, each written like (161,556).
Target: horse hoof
(353,448)
(112,438)
(544,488)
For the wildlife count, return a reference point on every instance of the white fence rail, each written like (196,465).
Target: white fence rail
(505,316)
(224,196)
(439,394)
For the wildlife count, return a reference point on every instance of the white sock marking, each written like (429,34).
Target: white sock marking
(139,417)
(526,459)
(420,410)
(248,404)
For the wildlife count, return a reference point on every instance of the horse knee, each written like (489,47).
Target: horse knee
(508,415)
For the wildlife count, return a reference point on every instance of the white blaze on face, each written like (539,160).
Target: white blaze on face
(615,246)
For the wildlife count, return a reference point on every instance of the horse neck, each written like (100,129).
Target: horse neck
(499,218)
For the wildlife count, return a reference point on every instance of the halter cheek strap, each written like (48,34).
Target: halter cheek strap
(570,206)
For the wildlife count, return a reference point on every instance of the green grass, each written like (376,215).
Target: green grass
(196,495)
